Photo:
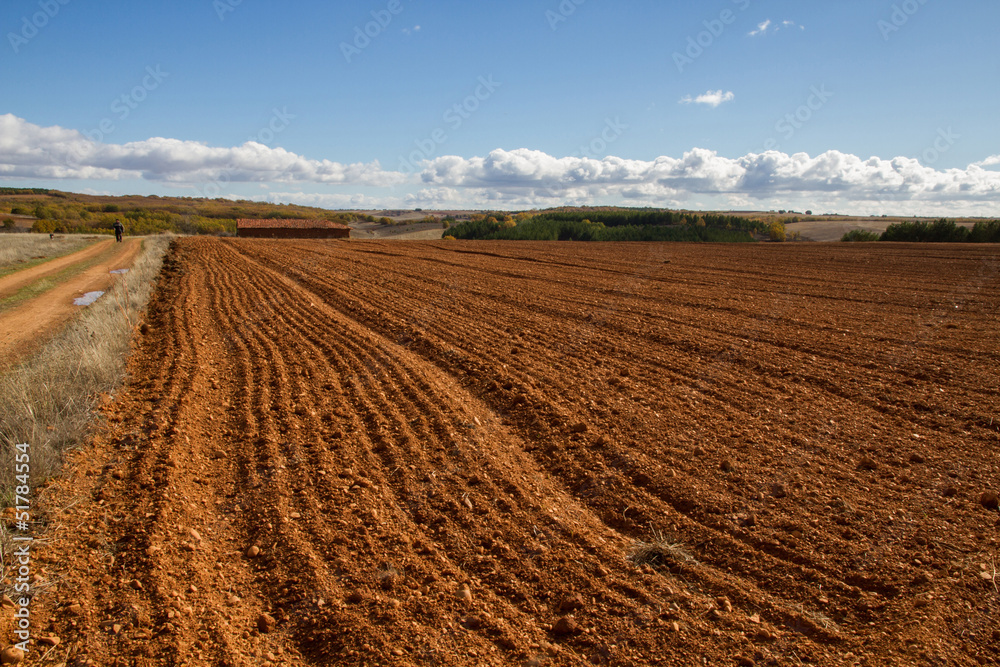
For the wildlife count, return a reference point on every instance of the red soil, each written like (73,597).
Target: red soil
(453,453)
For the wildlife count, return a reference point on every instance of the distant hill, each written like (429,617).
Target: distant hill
(67,212)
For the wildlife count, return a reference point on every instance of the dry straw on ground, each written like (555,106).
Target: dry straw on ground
(48,400)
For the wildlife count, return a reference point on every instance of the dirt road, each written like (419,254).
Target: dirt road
(25,326)
(370,453)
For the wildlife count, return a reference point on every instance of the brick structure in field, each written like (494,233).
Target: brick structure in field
(274,228)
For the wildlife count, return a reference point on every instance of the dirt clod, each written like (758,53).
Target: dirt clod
(11,656)
(266,623)
(572,603)
(989,500)
(565,625)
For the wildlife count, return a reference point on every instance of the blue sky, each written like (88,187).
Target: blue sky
(848,106)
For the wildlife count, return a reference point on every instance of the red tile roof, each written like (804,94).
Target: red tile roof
(278,223)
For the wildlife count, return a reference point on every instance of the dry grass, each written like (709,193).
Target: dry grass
(661,552)
(20,249)
(48,400)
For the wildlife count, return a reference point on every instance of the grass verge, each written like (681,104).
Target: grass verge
(48,400)
(22,251)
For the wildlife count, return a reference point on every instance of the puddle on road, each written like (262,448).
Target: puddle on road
(87,299)
(119,271)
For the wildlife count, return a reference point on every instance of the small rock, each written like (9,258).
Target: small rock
(234,600)
(398,652)
(472,622)
(464,594)
(779,490)
(136,584)
(195,535)
(572,603)
(566,625)
(50,640)
(868,463)
(675,626)
(699,451)
(74,610)
(989,500)
(578,427)
(744,661)
(253,551)
(725,605)
(355,597)
(266,623)
(727,466)
(917,458)
(11,656)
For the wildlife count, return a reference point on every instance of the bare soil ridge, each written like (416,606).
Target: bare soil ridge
(446,453)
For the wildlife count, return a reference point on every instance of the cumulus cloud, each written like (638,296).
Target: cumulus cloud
(530,174)
(31,151)
(712,98)
(521,178)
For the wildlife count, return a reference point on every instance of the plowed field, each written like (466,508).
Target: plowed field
(349,453)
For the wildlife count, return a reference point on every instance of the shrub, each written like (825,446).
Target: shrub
(860,235)
(776,231)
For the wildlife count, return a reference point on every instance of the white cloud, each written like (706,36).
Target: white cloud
(536,176)
(521,178)
(768,27)
(31,151)
(712,98)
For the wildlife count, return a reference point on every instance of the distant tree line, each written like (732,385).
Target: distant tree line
(612,225)
(24,191)
(939,231)
(60,213)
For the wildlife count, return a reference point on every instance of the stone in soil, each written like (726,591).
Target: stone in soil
(566,625)
(266,623)
(989,500)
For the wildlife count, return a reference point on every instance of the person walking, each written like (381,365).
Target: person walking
(119,230)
